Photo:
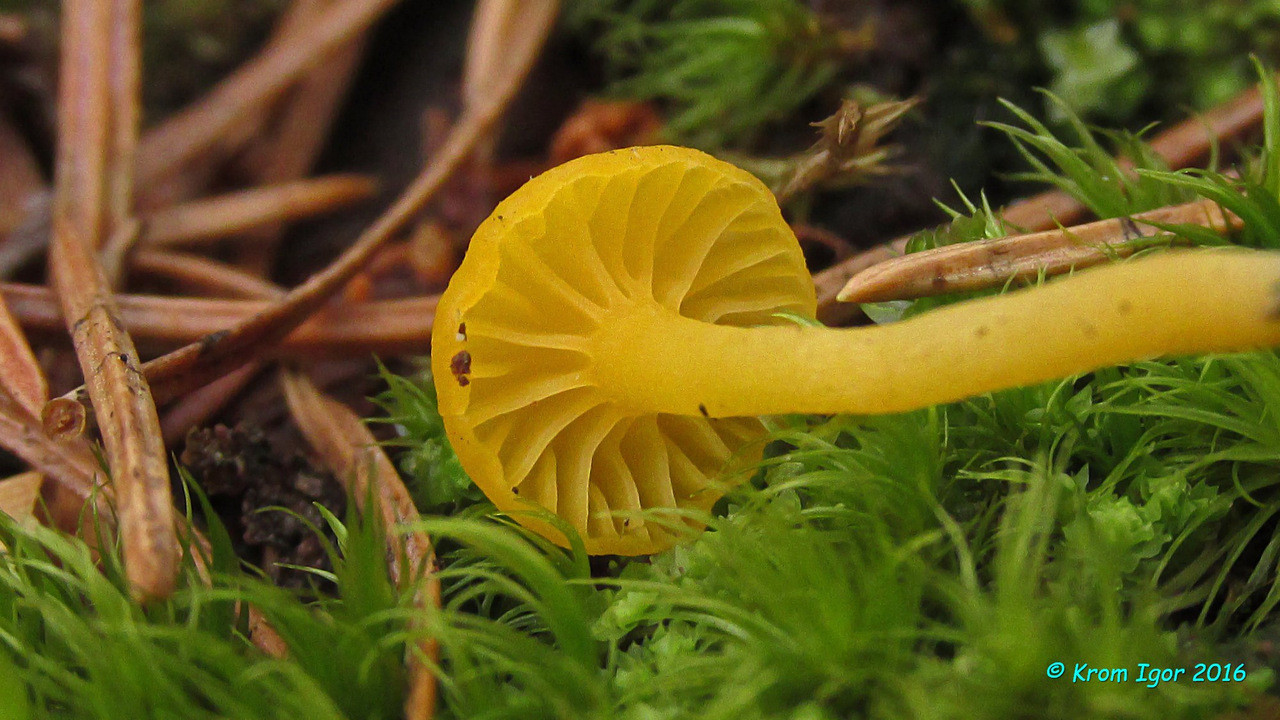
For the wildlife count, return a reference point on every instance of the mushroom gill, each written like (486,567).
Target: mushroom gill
(570,254)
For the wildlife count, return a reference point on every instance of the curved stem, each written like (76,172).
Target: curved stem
(1178,303)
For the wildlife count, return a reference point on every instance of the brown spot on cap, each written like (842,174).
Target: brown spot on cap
(703,409)
(460,366)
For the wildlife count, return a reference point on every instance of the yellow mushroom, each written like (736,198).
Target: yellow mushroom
(614,332)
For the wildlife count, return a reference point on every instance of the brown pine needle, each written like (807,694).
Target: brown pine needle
(387,327)
(1180,145)
(301,124)
(265,637)
(19,177)
(993,263)
(18,496)
(1190,141)
(354,456)
(492,25)
(20,373)
(284,150)
(210,220)
(184,136)
(97,118)
(198,407)
(197,364)
(115,250)
(497,26)
(200,222)
(31,236)
(191,272)
(347,447)
(198,274)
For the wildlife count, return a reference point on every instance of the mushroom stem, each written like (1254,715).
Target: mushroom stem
(1178,303)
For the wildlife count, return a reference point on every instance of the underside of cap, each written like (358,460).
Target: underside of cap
(663,227)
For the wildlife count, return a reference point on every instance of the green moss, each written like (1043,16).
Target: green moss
(725,68)
(432,472)
(1109,59)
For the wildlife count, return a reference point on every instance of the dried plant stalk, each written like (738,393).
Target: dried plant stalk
(849,146)
(97,119)
(992,263)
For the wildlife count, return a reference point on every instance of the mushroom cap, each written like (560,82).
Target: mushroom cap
(662,226)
